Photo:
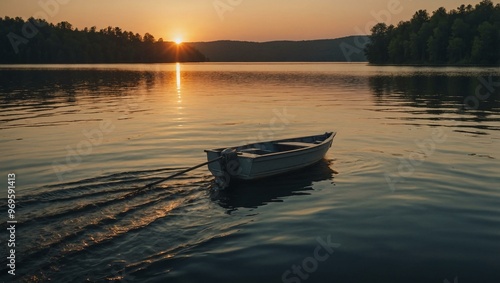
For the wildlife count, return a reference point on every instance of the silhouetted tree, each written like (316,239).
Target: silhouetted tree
(377,50)
(420,31)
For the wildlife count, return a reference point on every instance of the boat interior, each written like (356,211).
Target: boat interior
(264,148)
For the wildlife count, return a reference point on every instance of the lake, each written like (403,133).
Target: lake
(409,191)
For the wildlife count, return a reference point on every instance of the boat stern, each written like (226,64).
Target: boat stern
(214,167)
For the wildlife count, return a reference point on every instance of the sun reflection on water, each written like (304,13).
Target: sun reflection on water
(179,96)
(178,76)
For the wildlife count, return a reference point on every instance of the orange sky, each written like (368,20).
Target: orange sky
(207,20)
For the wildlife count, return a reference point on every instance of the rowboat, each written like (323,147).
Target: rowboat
(265,159)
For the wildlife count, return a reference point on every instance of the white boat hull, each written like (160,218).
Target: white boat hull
(261,160)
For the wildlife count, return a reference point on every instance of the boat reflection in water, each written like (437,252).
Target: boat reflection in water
(252,194)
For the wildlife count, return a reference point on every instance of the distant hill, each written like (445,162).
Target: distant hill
(346,49)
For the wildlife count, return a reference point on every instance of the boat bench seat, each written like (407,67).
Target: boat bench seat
(294,144)
(255,151)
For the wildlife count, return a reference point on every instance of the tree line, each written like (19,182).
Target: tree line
(36,41)
(466,35)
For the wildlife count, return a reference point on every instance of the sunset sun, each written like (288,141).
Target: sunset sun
(178,40)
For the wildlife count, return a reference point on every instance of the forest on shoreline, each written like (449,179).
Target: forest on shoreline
(36,41)
(468,35)
(465,36)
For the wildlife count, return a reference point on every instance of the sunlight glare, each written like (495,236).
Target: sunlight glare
(178,77)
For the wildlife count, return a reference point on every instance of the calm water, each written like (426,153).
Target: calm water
(409,191)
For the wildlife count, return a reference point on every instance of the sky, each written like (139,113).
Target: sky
(209,20)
